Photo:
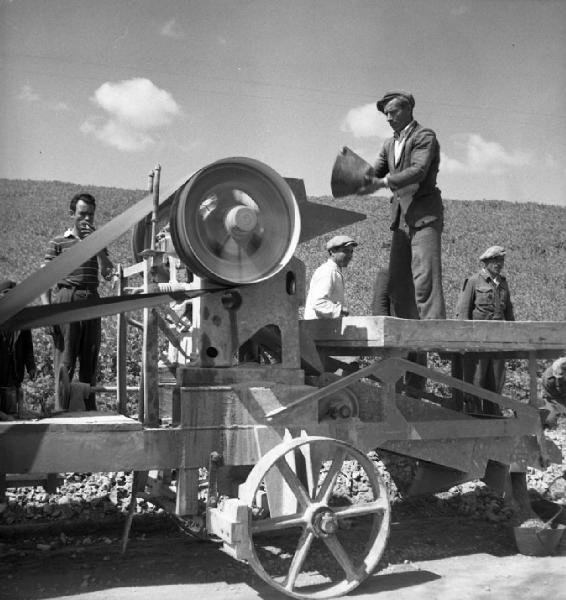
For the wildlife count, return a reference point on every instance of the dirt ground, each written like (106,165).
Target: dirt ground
(437,558)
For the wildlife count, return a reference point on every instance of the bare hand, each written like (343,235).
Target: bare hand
(86,228)
(371,184)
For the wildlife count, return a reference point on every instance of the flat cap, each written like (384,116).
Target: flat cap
(493,252)
(340,240)
(6,285)
(388,96)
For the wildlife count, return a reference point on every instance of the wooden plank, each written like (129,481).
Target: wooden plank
(32,449)
(437,335)
(121,349)
(533,387)
(150,356)
(187,492)
(74,421)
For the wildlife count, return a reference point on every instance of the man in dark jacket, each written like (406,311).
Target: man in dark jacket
(16,356)
(408,166)
(486,296)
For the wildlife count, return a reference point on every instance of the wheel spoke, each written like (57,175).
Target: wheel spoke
(330,479)
(278,523)
(341,557)
(299,558)
(360,510)
(293,482)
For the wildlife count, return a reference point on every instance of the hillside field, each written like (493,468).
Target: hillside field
(534,235)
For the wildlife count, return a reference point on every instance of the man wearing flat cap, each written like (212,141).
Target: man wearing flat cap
(326,298)
(408,166)
(485,296)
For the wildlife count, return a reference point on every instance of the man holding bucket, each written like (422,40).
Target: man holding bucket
(408,165)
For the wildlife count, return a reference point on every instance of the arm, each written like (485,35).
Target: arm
(465,306)
(376,178)
(105,264)
(52,251)
(509,313)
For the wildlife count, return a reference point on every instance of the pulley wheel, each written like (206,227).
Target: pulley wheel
(236,221)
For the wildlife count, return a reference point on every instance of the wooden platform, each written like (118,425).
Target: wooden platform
(372,335)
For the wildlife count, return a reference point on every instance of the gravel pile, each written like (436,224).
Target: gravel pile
(96,497)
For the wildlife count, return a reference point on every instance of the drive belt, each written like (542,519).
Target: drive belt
(55,270)
(91,308)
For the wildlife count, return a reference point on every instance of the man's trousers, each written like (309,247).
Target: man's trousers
(76,341)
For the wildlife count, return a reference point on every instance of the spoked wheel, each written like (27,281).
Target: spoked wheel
(320,517)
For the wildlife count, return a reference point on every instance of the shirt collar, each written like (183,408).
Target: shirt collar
(334,265)
(487,276)
(70,233)
(404,132)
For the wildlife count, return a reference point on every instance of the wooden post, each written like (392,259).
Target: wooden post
(533,393)
(121,342)
(150,328)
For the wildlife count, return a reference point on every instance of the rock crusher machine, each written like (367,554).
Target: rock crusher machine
(259,411)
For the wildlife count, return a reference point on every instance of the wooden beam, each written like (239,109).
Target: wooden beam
(437,335)
(30,448)
(121,349)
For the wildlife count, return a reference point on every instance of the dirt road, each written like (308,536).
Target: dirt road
(433,558)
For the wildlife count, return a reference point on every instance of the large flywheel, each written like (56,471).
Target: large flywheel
(319,517)
(235,221)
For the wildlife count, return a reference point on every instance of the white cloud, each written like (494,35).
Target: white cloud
(134,108)
(118,135)
(366,121)
(28,94)
(482,156)
(172,30)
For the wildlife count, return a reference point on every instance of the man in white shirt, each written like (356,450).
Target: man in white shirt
(326,297)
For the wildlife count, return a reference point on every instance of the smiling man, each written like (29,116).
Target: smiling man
(327,298)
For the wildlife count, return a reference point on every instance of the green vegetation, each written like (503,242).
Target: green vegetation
(534,235)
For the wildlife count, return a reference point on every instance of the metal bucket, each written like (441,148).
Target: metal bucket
(536,541)
(348,173)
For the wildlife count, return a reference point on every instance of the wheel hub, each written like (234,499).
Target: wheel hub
(325,523)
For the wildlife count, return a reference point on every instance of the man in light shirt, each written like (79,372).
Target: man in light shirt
(326,297)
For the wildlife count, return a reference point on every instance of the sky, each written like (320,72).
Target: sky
(100,92)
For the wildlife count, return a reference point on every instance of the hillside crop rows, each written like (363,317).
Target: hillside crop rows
(534,235)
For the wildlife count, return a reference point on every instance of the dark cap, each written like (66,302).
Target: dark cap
(388,96)
(6,285)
